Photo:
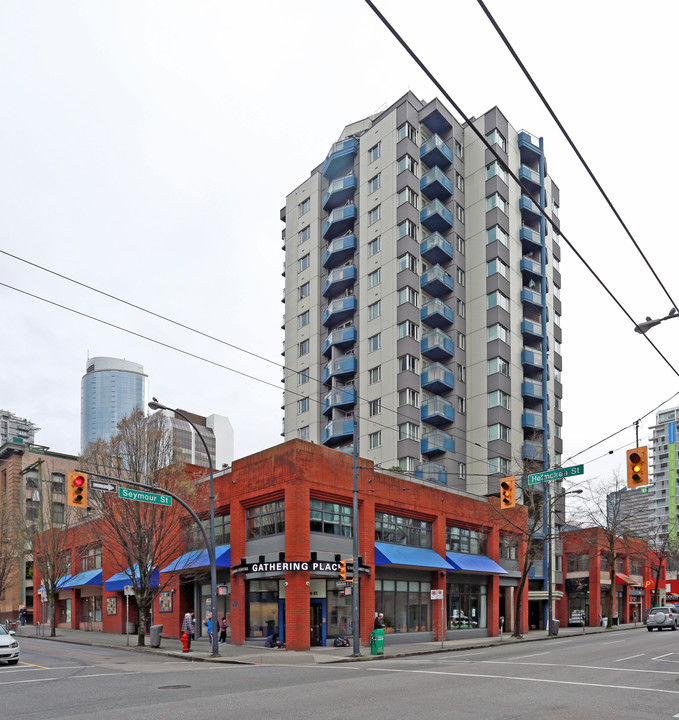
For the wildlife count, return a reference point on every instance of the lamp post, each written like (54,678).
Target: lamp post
(550,580)
(155,405)
(644,327)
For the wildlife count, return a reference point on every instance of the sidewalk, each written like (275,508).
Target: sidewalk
(258,655)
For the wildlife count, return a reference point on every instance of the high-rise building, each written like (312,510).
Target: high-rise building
(110,390)
(422,297)
(13,428)
(662,492)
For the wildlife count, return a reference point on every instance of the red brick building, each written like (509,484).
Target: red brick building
(284,522)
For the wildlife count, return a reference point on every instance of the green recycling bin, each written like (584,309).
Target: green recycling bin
(377,642)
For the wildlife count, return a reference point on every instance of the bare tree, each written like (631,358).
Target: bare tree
(146,536)
(10,544)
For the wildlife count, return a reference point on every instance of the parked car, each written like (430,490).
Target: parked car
(9,647)
(662,617)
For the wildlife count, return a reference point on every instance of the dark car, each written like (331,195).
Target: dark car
(662,617)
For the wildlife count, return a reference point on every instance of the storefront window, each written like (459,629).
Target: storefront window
(330,518)
(467,606)
(402,530)
(340,611)
(262,607)
(406,604)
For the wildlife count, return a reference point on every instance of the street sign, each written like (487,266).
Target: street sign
(556,474)
(101,485)
(437,594)
(144,496)
(343,583)
(128,589)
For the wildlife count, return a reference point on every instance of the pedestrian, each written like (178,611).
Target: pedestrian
(208,624)
(272,641)
(379,622)
(188,628)
(223,625)
(22,614)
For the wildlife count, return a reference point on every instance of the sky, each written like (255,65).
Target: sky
(146,149)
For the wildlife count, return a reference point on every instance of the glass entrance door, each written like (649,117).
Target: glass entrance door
(317,622)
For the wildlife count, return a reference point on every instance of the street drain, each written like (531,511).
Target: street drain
(173,687)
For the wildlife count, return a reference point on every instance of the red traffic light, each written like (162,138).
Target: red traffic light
(79,481)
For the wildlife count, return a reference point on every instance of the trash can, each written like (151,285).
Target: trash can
(377,642)
(131,628)
(156,632)
(554,627)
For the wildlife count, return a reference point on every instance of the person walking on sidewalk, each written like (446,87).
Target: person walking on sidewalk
(223,625)
(188,627)
(208,624)
(379,622)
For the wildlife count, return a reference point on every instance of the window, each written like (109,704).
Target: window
(375,440)
(466,540)
(461,405)
(496,169)
(374,215)
(498,365)
(407,163)
(497,266)
(509,547)
(90,559)
(459,181)
(374,246)
(303,263)
(498,299)
(555,208)
(407,195)
(304,234)
(374,278)
(58,513)
(374,152)
(408,363)
(497,398)
(407,229)
(374,310)
(459,244)
(459,150)
(407,131)
(330,518)
(304,207)
(498,465)
(498,432)
(375,342)
(407,262)
(495,137)
(461,373)
(408,329)
(374,375)
(303,319)
(375,407)
(58,483)
(462,470)
(407,464)
(407,295)
(303,376)
(459,212)
(408,431)
(32,509)
(497,233)
(496,201)
(402,530)
(302,405)
(303,348)
(266,520)
(461,307)
(303,433)
(497,332)
(459,274)
(374,183)
(461,342)
(304,290)
(408,396)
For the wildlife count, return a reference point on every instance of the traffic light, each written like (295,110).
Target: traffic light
(637,467)
(77,489)
(346,566)
(508,492)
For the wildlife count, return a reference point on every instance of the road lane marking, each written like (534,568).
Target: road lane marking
(582,667)
(44,667)
(612,642)
(521,657)
(630,657)
(69,677)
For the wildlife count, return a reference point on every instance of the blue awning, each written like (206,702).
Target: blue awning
(199,559)
(117,582)
(474,563)
(89,577)
(388,554)
(61,582)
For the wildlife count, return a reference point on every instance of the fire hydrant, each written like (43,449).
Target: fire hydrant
(185,642)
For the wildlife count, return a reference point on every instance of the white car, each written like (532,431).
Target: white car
(9,647)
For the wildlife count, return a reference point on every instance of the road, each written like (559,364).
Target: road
(620,675)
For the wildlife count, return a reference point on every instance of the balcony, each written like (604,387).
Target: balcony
(436,217)
(432,472)
(532,451)
(436,152)
(436,121)
(531,329)
(339,191)
(342,368)
(531,178)
(436,250)
(436,345)
(530,212)
(436,281)
(530,266)
(435,185)
(532,358)
(531,237)
(339,280)
(340,158)
(529,295)
(437,314)
(437,378)
(339,251)
(340,398)
(342,338)
(339,310)
(530,147)
(532,390)
(339,221)
(436,442)
(337,431)
(531,420)
(437,411)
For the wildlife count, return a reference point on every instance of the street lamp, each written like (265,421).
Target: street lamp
(155,405)
(550,580)
(644,327)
